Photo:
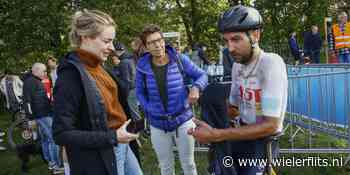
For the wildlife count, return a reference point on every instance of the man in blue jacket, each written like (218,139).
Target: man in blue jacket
(165,99)
(313,44)
(294,48)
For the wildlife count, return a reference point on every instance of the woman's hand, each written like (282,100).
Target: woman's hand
(123,136)
(193,96)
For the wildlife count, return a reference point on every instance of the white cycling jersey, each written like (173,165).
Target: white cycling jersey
(260,89)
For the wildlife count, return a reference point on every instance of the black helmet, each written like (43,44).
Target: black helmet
(240,18)
(118,46)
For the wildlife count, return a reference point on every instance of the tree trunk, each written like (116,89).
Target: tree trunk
(186,19)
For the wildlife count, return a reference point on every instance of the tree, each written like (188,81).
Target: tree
(283,16)
(31,28)
(196,19)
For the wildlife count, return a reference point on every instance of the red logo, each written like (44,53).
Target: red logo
(250,95)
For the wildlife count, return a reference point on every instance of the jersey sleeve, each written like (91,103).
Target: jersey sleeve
(234,93)
(274,88)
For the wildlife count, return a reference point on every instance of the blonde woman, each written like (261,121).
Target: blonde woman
(90,105)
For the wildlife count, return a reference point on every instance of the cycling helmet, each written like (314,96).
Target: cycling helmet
(240,18)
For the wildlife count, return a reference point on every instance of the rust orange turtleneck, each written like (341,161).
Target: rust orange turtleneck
(106,86)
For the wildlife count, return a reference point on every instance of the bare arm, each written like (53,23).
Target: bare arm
(206,134)
(249,132)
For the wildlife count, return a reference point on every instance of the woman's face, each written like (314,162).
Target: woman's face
(101,45)
(155,44)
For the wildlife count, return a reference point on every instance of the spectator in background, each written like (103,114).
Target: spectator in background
(176,46)
(124,65)
(48,87)
(138,48)
(12,87)
(313,44)
(203,55)
(339,38)
(37,106)
(294,48)
(52,65)
(199,56)
(187,51)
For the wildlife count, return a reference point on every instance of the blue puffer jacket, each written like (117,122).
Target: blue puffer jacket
(177,94)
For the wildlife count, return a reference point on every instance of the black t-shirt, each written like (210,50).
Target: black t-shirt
(160,74)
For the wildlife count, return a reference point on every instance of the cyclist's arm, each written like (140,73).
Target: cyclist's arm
(248,132)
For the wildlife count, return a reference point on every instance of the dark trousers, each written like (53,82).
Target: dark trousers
(314,55)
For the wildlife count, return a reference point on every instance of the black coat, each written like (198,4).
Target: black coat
(35,100)
(227,60)
(80,122)
(125,71)
(312,41)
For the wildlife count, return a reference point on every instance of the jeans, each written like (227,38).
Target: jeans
(127,163)
(344,58)
(163,145)
(49,148)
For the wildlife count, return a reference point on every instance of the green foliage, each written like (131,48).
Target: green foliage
(130,16)
(195,19)
(32,29)
(284,16)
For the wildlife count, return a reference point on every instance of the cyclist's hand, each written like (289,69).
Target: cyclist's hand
(203,133)
(232,111)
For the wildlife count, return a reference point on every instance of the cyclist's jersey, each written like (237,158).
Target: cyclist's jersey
(260,89)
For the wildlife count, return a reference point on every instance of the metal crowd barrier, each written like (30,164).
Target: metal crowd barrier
(318,102)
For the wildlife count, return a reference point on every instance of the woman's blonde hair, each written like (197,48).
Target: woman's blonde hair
(88,23)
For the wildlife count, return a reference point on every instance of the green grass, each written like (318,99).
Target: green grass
(319,140)
(10,164)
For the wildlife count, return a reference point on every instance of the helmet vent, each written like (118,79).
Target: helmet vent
(243,18)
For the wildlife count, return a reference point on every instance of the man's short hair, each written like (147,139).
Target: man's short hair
(51,58)
(37,67)
(343,13)
(148,30)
